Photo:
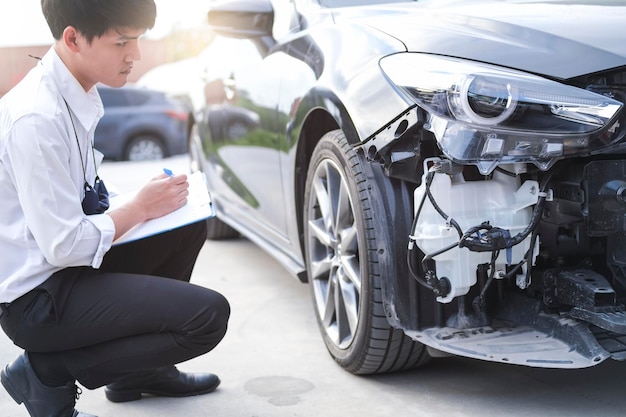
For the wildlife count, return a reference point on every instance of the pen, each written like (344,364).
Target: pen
(168,172)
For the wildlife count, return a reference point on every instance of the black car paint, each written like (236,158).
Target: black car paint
(543,37)
(338,73)
(332,81)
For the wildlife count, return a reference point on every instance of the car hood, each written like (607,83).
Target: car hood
(544,37)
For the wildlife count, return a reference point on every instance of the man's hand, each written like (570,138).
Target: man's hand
(160,196)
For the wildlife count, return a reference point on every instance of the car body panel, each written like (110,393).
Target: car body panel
(242,126)
(327,71)
(517,34)
(322,74)
(130,112)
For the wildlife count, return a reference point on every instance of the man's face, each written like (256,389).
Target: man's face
(109,58)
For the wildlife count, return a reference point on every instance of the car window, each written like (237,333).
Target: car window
(285,18)
(136,98)
(112,98)
(122,97)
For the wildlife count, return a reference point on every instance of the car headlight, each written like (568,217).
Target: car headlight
(487,115)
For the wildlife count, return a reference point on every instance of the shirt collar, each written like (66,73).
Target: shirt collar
(87,106)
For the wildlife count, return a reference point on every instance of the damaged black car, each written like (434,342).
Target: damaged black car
(449,177)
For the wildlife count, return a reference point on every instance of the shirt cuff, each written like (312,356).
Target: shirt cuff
(105,224)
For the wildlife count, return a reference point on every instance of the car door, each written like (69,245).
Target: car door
(241,134)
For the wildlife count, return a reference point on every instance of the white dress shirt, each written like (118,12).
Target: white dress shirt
(43,167)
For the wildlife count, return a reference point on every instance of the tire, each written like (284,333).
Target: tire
(144,148)
(216,229)
(343,236)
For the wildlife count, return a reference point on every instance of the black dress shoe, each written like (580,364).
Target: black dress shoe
(164,382)
(23,385)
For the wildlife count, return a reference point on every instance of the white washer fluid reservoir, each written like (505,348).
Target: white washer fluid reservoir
(501,201)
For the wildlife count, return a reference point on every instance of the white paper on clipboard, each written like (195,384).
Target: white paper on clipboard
(199,207)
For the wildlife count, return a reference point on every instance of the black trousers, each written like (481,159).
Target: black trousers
(138,311)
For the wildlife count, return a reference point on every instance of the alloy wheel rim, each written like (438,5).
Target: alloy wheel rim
(334,254)
(145,150)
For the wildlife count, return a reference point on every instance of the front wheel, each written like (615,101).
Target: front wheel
(345,241)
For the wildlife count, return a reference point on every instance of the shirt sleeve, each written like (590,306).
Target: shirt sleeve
(48,176)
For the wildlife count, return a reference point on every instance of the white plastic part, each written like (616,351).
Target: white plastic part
(501,201)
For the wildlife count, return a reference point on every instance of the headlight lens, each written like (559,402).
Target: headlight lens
(487,115)
(483,100)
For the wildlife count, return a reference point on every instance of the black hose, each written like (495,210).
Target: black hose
(433,283)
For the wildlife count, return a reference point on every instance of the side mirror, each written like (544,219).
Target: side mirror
(242,18)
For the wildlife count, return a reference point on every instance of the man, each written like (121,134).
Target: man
(82,309)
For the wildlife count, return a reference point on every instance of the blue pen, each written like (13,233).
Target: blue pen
(168,172)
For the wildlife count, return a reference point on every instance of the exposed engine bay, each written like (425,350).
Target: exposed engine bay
(520,240)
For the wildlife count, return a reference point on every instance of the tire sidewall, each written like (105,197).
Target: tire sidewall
(335,147)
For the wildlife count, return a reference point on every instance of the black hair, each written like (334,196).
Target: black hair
(93,18)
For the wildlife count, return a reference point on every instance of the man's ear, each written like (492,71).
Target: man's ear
(70,38)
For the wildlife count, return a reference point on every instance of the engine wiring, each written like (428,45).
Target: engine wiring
(482,238)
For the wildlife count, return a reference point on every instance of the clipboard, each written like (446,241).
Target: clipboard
(199,207)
